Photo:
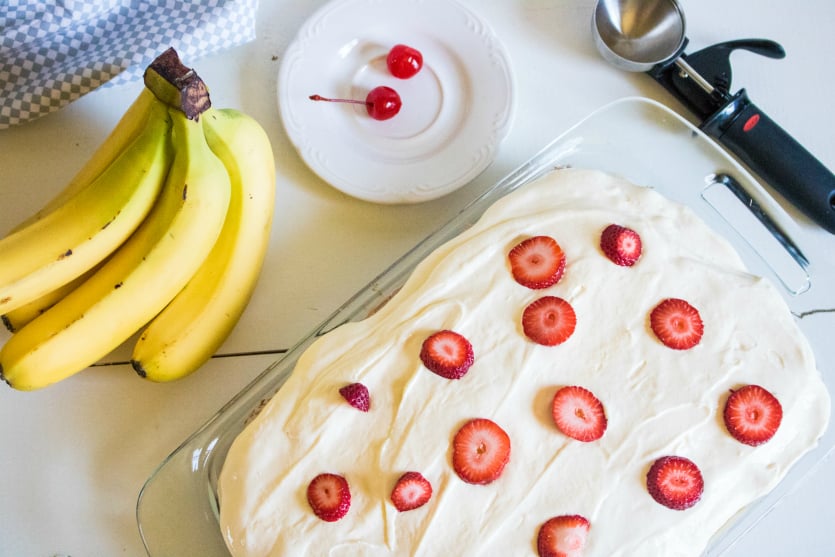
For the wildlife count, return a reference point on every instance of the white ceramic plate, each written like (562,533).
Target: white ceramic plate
(455,111)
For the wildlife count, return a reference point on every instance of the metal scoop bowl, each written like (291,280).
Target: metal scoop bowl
(635,35)
(639,35)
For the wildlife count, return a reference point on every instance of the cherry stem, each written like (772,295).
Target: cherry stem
(352,101)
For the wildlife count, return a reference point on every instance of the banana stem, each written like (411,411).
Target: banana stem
(177,85)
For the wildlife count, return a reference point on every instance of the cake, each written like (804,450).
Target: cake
(587,370)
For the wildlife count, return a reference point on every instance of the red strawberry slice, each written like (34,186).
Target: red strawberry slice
(675,482)
(537,262)
(448,354)
(549,320)
(579,414)
(480,451)
(411,491)
(752,415)
(357,396)
(677,324)
(329,496)
(563,536)
(620,244)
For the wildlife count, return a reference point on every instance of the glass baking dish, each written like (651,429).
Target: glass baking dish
(634,137)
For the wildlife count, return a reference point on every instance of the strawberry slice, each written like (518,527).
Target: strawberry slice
(675,482)
(621,245)
(357,396)
(448,354)
(537,262)
(411,491)
(677,324)
(549,320)
(579,414)
(329,496)
(563,536)
(480,451)
(752,415)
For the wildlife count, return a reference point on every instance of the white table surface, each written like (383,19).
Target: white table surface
(73,457)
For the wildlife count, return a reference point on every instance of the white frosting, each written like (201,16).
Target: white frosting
(658,401)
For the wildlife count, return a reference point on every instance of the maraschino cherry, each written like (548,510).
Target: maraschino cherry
(381,102)
(403,61)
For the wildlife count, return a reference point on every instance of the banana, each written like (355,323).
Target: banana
(88,225)
(17,318)
(123,134)
(197,321)
(138,280)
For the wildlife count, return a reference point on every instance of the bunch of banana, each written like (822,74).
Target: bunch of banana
(163,231)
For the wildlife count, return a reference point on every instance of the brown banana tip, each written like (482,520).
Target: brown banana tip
(9,325)
(193,93)
(3,377)
(137,367)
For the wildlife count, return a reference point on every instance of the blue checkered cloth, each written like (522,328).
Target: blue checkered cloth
(54,51)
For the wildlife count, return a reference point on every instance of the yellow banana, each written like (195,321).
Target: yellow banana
(14,320)
(139,279)
(197,321)
(123,134)
(89,225)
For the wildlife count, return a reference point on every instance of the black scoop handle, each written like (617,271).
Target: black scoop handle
(776,157)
